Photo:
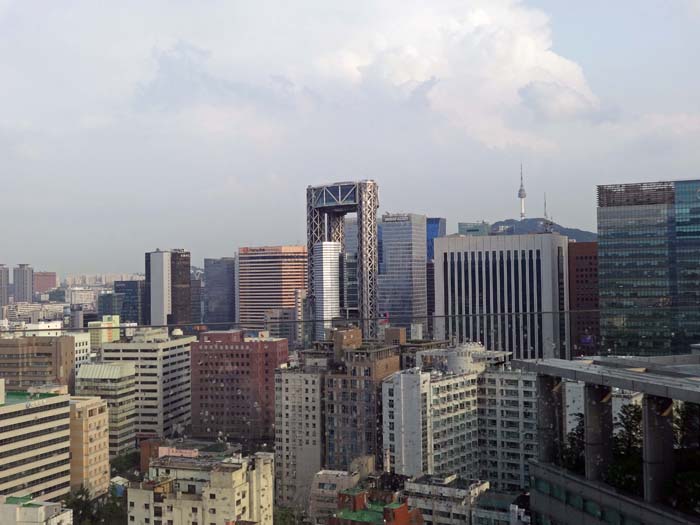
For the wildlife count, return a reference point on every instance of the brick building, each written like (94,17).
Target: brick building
(233,385)
(36,361)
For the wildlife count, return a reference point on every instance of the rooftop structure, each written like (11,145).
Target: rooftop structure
(26,511)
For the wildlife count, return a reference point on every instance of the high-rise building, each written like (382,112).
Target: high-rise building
(35,436)
(326,276)
(648,252)
(82,342)
(244,409)
(268,278)
(44,281)
(4,287)
(583,298)
(507,292)
(434,227)
(168,287)
(193,490)
(89,445)
(402,278)
(110,303)
(474,228)
(35,361)
(134,306)
(23,282)
(298,433)
(282,323)
(220,291)
(353,405)
(163,379)
(326,207)
(196,301)
(114,382)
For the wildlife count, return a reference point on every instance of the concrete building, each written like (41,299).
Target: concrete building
(559,495)
(299,433)
(267,278)
(574,406)
(356,507)
(163,379)
(4,287)
(89,445)
(167,288)
(206,491)
(282,323)
(353,405)
(220,291)
(584,316)
(23,281)
(115,383)
(26,511)
(35,437)
(86,297)
(508,292)
(402,273)
(83,348)
(444,500)
(326,277)
(244,408)
(325,486)
(104,331)
(480,229)
(44,281)
(34,361)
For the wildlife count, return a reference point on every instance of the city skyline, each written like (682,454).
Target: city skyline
(165,103)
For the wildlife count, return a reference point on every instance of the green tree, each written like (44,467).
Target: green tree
(628,426)
(573,453)
(112,511)
(80,502)
(686,424)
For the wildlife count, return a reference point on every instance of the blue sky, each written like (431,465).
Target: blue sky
(198,124)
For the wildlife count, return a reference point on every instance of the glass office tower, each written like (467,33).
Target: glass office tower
(649,266)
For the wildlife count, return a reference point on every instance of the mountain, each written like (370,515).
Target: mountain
(537,225)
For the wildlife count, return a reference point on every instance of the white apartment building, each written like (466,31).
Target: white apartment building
(508,292)
(162,379)
(26,511)
(298,433)
(83,349)
(184,491)
(444,500)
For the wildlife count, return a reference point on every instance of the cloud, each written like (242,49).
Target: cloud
(553,101)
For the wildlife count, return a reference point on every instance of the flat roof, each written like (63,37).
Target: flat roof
(14,397)
(675,377)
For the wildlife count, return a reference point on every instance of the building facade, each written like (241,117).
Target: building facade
(115,383)
(267,278)
(44,281)
(35,361)
(444,500)
(133,301)
(474,228)
(326,276)
(583,298)
(402,274)
(220,291)
(26,511)
(648,248)
(233,385)
(162,379)
(23,281)
(508,292)
(89,445)
(167,287)
(4,287)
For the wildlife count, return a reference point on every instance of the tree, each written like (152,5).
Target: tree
(628,439)
(686,424)
(113,510)
(80,502)
(573,453)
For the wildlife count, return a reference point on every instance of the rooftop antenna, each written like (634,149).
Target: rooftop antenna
(522,194)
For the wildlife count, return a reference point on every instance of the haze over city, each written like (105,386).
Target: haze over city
(131,126)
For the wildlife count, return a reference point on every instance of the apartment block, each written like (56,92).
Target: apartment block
(35,437)
(205,491)
(26,511)
(83,348)
(89,445)
(162,379)
(35,361)
(444,500)
(115,383)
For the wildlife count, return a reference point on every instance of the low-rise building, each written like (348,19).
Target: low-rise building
(89,445)
(444,500)
(83,349)
(183,491)
(26,511)
(323,497)
(356,507)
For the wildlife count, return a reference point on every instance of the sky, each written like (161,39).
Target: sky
(129,126)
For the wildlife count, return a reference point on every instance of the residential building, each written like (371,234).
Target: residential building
(444,500)
(508,292)
(35,433)
(167,288)
(105,331)
(4,287)
(324,489)
(233,385)
(44,281)
(34,361)
(23,282)
(89,445)
(162,379)
(267,278)
(82,348)
(494,508)
(27,511)
(184,491)
(648,248)
(133,306)
(326,278)
(353,405)
(474,228)
(299,432)
(583,298)
(355,507)
(114,382)
(402,274)
(220,291)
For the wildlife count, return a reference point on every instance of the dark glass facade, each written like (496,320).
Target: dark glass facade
(133,302)
(649,266)
(434,227)
(110,304)
(180,287)
(219,290)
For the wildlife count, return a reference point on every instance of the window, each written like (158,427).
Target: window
(574,500)
(212,496)
(592,508)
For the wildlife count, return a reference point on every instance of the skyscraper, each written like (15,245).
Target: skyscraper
(196,300)
(583,297)
(168,293)
(268,278)
(133,303)
(326,276)
(23,280)
(507,292)
(434,227)
(402,279)
(326,207)
(4,287)
(648,253)
(220,290)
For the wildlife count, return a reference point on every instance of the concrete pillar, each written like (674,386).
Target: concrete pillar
(657,425)
(598,421)
(549,418)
